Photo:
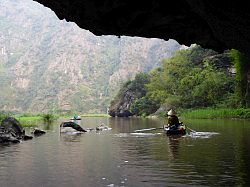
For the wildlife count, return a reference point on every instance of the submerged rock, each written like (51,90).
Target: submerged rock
(102,127)
(26,137)
(72,125)
(38,132)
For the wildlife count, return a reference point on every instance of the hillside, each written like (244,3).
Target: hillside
(50,64)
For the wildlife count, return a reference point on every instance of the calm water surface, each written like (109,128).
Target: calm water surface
(219,155)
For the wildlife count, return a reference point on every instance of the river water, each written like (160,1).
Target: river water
(218,154)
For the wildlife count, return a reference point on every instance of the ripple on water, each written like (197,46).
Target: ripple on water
(202,134)
(136,135)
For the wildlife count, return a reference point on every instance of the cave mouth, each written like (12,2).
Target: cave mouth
(217,25)
(190,24)
(214,25)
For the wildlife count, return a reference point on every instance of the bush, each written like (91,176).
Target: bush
(49,117)
(210,113)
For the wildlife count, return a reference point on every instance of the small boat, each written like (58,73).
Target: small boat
(76,118)
(175,130)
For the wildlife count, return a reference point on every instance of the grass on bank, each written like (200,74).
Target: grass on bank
(32,120)
(212,113)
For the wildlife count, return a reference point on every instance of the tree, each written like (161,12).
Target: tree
(185,83)
(242,69)
(144,106)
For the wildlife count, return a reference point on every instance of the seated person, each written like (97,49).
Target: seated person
(173,119)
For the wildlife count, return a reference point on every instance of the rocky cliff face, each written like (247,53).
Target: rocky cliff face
(50,64)
(121,108)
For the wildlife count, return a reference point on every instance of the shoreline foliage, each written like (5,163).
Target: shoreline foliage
(216,113)
(194,79)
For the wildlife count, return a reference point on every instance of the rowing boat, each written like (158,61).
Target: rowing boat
(175,130)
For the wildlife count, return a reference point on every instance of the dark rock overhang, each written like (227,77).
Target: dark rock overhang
(218,25)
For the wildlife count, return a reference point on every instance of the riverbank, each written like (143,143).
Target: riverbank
(31,120)
(213,113)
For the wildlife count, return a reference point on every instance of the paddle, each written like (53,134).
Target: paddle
(150,129)
(190,129)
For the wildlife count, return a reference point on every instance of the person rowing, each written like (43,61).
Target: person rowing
(173,120)
(174,126)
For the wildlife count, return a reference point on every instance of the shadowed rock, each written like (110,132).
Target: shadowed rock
(14,126)
(102,127)
(11,131)
(38,132)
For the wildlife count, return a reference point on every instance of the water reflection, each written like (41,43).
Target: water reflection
(48,126)
(174,144)
(121,157)
(128,125)
(66,137)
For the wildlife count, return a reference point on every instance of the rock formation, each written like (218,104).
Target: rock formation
(11,131)
(38,132)
(121,107)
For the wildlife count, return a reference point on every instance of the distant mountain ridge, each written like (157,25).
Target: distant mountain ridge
(48,64)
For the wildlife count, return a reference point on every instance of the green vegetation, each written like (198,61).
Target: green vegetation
(144,106)
(196,78)
(136,87)
(189,80)
(242,66)
(132,97)
(29,121)
(26,120)
(216,113)
(48,118)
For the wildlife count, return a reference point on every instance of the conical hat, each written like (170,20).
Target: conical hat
(171,112)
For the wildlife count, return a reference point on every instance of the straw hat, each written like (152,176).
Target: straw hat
(171,112)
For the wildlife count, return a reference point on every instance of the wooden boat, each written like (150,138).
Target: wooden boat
(173,130)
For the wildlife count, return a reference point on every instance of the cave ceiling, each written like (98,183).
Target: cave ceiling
(212,24)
